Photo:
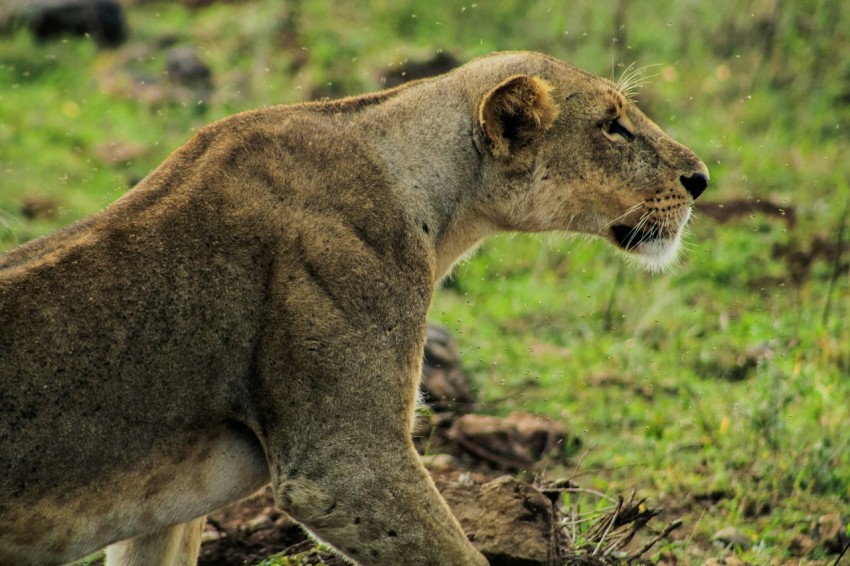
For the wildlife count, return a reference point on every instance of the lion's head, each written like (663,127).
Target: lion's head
(576,154)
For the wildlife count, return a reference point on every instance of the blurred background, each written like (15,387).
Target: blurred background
(720,390)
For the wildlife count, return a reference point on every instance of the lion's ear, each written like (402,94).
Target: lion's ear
(514,114)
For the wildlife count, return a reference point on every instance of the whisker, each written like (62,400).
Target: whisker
(637,228)
(621,82)
(629,211)
(633,79)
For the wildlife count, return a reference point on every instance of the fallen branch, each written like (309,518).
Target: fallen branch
(672,526)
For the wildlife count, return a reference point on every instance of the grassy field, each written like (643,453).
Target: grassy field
(721,390)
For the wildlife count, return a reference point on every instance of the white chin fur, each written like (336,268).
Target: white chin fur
(659,255)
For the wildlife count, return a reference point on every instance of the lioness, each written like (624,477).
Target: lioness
(254,311)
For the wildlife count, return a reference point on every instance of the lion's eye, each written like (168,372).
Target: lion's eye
(616,128)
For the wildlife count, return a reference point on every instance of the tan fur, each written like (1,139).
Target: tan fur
(254,311)
(173,545)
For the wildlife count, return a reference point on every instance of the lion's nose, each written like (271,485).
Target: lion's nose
(695,184)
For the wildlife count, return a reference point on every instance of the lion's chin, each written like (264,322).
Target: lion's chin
(630,238)
(650,246)
(657,255)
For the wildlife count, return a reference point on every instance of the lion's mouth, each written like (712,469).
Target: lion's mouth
(628,237)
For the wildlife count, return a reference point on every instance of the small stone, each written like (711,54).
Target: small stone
(444,384)
(543,436)
(800,544)
(185,67)
(39,207)
(730,536)
(439,462)
(210,534)
(441,62)
(831,533)
(120,152)
(259,522)
(283,522)
(492,440)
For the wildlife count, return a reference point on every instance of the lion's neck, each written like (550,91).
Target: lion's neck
(434,165)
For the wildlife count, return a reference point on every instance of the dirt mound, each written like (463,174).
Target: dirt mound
(252,530)
(512,522)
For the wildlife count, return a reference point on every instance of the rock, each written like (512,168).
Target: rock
(730,536)
(39,207)
(185,67)
(12,16)
(185,78)
(542,435)
(444,384)
(262,521)
(492,440)
(514,443)
(509,521)
(831,532)
(103,20)
(510,444)
(439,463)
(195,4)
(188,75)
(730,560)
(800,544)
(210,534)
(118,152)
(440,63)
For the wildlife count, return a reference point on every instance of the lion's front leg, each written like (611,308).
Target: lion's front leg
(375,503)
(338,370)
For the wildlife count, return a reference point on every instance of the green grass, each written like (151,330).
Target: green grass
(639,365)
